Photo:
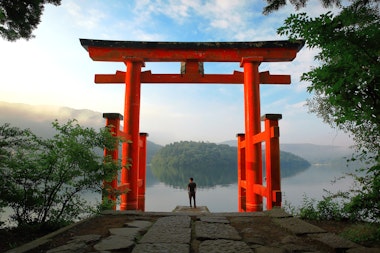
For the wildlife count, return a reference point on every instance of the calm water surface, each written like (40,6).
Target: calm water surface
(311,182)
(160,197)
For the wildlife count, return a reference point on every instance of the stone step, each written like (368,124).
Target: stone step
(198,209)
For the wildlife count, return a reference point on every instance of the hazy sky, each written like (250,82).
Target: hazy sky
(53,69)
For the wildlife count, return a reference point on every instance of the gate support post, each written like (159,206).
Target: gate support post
(142,172)
(242,191)
(113,124)
(253,161)
(272,158)
(131,128)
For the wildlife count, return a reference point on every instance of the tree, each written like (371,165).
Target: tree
(45,180)
(274,5)
(345,85)
(18,18)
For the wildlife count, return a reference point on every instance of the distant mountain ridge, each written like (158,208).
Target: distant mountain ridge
(39,118)
(315,154)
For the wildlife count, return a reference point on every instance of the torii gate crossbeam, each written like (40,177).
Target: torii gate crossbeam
(192,55)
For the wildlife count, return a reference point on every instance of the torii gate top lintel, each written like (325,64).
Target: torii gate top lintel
(154,51)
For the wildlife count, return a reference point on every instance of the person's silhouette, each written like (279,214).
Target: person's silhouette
(191,189)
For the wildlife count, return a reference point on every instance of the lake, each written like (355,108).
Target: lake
(223,198)
(160,197)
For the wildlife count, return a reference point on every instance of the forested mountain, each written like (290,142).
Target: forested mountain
(315,154)
(210,164)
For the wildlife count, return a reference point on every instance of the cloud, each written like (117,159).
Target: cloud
(89,17)
(54,69)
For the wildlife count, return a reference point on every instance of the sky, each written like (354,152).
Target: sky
(53,69)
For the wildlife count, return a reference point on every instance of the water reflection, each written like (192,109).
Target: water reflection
(223,198)
(212,175)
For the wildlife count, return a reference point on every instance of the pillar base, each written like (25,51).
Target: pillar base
(254,207)
(141,202)
(132,205)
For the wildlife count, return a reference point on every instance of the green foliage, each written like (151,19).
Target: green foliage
(363,201)
(365,233)
(346,84)
(210,164)
(44,180)
(19,18)
(346,90)
(325,209)
(274,5)
(360,203)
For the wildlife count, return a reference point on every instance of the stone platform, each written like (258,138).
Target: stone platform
(198,209)
(192,230)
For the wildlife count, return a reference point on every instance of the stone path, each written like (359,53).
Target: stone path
(203,232)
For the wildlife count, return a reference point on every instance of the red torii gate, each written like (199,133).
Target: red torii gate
(192,55)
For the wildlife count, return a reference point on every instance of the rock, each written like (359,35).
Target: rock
(266,249)
(114,242)
(162,247)
(167,235)
(128,233)
(225,246)
(77,247)
(141,224)
(297,226)
(215,219)
(333,241)
(205,230)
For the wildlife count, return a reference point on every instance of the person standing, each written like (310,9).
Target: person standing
(191,189)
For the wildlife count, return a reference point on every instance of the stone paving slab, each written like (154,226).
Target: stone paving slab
(266,249)
(173,221)
(187,209)
(215,219)
(142,224)
(226,246)
(363,250)
(128,233)
(167,235)
(278,213)
(77,247)
(76,244)
(85,238)
(170,229)
(333,241)
(114,242)
(162,248)
(210,232)
(297,226)
(206,230)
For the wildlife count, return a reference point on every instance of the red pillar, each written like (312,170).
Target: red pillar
(241,173)
(113,124)
(252,127)
(142,172)
(272,157)
(130,159)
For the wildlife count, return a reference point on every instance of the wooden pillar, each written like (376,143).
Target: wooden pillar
(252,127)
(272,157)
(130,159)
(113,124)
(142,172)
(241,173)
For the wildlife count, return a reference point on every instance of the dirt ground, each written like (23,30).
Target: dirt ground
(250,228)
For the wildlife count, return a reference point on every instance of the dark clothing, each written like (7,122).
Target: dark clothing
(191,188)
